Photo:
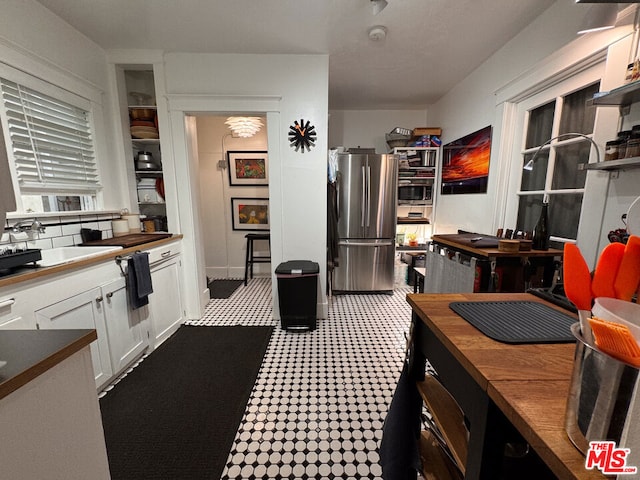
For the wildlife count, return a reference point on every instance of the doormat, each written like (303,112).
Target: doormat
(223,288)
(175,416)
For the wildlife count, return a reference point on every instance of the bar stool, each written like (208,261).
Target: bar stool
(251,258)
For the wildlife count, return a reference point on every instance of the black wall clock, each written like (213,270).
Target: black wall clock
(302,135)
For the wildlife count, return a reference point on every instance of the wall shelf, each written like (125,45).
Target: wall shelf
(614,165)
(621,96)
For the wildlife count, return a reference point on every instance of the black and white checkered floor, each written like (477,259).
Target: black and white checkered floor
(320,399)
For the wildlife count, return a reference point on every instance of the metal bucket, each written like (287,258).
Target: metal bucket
(602,403)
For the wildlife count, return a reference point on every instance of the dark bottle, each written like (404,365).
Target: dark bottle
(541,231)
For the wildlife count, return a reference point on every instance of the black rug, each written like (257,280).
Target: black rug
(175,416)
(223,288)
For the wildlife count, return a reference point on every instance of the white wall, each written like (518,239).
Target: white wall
(35,41)
(224,248)
(473,104)
(367,128)
(295,87)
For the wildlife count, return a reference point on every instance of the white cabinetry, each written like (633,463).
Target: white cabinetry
(82,311)
(16,311)
(165,303)
(128,337)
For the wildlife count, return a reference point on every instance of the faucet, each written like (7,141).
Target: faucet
(33,225)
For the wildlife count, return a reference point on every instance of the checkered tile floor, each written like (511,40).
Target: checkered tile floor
(320,399)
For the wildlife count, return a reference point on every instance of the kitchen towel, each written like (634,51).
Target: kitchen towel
(139,279)
(399,455)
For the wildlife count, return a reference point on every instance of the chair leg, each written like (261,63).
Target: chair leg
(251,258)
(246,262)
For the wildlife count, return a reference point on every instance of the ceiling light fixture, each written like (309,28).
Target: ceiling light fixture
(244,126)
(599,17)
(378,6)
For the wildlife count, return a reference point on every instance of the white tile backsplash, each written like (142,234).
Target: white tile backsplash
(60,231)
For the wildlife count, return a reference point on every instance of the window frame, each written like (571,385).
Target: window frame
(517,111)
(94,110)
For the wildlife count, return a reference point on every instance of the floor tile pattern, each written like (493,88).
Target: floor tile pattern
(320,399)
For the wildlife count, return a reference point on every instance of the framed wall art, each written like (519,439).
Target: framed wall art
(250,213)
(248,168)
(465,163)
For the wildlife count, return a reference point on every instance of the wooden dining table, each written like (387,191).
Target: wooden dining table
(501,388)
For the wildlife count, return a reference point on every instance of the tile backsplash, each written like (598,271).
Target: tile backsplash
(59,231)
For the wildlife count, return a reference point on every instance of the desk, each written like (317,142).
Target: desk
(501,271)
(498,386)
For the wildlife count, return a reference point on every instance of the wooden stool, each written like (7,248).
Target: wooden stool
(250,258)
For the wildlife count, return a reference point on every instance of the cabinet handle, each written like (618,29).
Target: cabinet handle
(7,303)
(109,295)
(99,299)
(165,254)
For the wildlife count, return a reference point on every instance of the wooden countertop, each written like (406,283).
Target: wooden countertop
(30,273)
(486,359)
(30,353)
(528,382)
(452,240)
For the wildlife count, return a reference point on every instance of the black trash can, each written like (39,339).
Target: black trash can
(298,294)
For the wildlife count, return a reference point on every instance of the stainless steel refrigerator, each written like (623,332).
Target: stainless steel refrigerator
(366,203)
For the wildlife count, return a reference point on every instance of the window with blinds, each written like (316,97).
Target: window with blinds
(51,140)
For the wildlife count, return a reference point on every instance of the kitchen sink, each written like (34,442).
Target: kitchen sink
(60,255)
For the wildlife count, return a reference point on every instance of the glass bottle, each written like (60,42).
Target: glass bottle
(541,230)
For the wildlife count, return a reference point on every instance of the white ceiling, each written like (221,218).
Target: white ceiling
(430,44)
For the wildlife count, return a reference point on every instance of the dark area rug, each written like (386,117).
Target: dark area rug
(223,288)
(175,416)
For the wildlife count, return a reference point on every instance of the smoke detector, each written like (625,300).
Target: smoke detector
(377,33)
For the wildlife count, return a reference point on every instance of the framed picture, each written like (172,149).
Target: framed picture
(465,163)
(250,213)
(248,168)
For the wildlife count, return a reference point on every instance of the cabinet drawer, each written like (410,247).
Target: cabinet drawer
(158,254)
(16,312)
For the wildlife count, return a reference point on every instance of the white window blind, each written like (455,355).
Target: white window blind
(52,141)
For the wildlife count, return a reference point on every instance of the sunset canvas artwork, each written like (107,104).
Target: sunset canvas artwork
(465,163)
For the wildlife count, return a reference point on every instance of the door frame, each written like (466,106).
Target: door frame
(182,112)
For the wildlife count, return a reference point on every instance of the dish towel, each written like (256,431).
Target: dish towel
(399,454)
(139,279)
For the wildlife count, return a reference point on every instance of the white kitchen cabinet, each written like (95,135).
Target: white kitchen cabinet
(14,313)
(82,311)
(165,303)
(127,334)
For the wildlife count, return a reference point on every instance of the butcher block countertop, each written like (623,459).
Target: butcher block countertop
(130,244)
(30,353)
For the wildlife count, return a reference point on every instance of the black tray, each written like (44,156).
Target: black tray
(18,259)
(517,321)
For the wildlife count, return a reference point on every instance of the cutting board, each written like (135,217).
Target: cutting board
(130,240)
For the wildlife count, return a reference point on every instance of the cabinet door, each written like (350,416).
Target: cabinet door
(165,305)
(82,311)
(127,338)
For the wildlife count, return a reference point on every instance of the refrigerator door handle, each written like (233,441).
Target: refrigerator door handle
(376,243)
(362,199)
(368,194)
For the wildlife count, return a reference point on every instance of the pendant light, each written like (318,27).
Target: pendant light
(244,127)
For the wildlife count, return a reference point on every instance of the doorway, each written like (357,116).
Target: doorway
(222,184)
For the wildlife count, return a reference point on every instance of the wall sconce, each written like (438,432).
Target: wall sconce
(600,16)
(378,6)
(529,165)
(244,127)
